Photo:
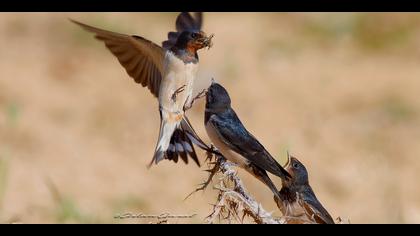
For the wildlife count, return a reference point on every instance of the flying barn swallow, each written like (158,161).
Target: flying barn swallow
(297,199)
(169,73)
(231,138)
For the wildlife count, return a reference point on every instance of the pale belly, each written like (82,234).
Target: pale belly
(295,210)
(224,149)
(177,75)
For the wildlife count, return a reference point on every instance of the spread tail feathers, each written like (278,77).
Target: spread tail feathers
(178,140)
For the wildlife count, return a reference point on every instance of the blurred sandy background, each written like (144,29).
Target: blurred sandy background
(339,90)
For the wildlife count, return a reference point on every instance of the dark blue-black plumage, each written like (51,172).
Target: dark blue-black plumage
(226,129)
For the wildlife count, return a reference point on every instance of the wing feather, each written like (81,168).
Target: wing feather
(231,131)
(184,22)
(141,58)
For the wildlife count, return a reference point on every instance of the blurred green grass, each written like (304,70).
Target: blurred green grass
(369,32)
(66,210)
(4,168)
(381,32)
(13,112)
(397,109)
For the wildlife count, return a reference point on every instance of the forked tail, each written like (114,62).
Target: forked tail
(180,144)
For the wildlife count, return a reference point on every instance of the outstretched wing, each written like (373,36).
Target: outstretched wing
(141,58)
(184,22)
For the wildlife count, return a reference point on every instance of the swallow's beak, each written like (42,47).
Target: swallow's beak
(210,89)
(289,160)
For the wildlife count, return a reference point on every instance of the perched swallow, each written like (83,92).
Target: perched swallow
(297,199)
(231,138)
(169,72)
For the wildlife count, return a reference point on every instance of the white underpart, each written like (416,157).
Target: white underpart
(295,209)
(168,129)
(224,149)
(177,74)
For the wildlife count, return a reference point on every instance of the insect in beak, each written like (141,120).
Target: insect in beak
(208,41)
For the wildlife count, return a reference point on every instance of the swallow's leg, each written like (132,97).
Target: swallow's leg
(199,95)
(212,151)
(178,91)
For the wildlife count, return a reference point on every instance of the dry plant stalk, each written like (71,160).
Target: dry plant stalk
(235,203)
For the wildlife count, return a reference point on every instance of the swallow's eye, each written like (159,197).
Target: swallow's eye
(194,35)
(295,165)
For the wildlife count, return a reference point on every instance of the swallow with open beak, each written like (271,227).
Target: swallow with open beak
(169,72)
(297,201)
(235,142)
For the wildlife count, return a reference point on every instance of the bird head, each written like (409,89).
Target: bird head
(217,98)
(194,40)
(297,170)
